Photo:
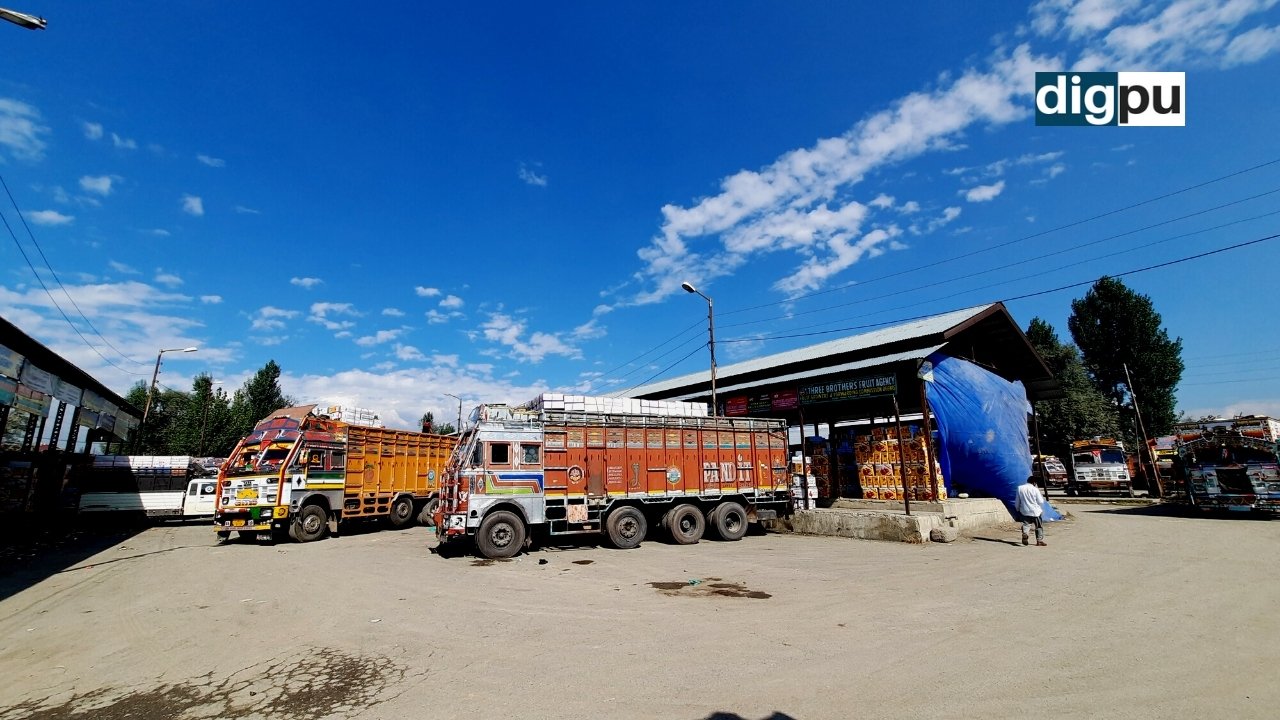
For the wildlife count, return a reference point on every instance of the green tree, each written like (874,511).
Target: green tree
(428,422)
(1115,327)
(1084,412)
(164,423)
(211,419)
(259,397)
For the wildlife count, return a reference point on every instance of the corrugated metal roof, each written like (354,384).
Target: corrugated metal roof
(857,365)
(918,328)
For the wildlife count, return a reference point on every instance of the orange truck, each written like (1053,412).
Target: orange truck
(577,465)
(302,474)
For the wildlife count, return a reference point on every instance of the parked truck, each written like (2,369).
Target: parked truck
(157,487)
(559,466)
(303,474)
(1098,465)
(1227,469)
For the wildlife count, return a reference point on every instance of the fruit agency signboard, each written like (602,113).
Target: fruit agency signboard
(761,404)
(857,388)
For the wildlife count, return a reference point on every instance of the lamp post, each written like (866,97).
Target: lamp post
(152,390)
(28,21)
(457,427)
(711,332)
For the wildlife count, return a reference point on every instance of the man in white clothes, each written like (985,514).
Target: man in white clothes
(1029,507)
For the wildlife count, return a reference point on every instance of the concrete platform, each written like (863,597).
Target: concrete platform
(887,519)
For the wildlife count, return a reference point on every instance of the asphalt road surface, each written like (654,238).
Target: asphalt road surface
(1128,613)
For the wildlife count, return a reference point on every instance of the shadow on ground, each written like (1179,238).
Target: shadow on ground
(33,548)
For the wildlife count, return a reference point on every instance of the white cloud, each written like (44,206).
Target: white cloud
(1252,46)
(789,204)
(530,177)
(882,201)
(435,317)
(167,279)
(93,131)
(247,210)
(984,193)
(408,353)
(50,217)
(21,131)
(100,185)
(123,143)
(426,291)
(321,311)
(392,312)
(305,282)
(192,205)
(211,299)
(211,161)
(451,302)
(1124,34)
(589,330)
(380,337)
(268,318)
(508,331)
(121,268)
(159,232)
(1055,170)
(909,207)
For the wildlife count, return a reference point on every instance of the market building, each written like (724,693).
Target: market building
(49,408)
(878,395)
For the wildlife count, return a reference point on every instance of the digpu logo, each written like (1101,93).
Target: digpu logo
(1111,98)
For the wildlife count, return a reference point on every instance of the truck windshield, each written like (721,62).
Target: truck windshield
(1107,456)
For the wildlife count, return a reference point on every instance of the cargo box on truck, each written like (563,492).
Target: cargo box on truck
(303,474)
(610,466)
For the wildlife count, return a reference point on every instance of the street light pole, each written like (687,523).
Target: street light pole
(152,390)
(711,332)
(26,20)
(457,427)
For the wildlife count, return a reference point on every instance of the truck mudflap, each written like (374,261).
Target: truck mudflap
(764,514)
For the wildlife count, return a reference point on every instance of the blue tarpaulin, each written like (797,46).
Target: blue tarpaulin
(982,424)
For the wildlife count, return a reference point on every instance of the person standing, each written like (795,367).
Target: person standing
(1030,507)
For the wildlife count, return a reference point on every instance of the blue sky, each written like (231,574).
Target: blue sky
(494,200)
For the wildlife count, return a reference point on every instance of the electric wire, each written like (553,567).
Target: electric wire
(58,280)
(62,312)
(1024,238)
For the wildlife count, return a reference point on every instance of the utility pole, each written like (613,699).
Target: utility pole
(1146,447)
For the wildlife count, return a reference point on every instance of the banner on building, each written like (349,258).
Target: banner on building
(36,379)
(66,392)
(857,388)
(8,389)
(10,362)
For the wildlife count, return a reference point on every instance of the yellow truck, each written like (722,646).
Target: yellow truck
(302,474)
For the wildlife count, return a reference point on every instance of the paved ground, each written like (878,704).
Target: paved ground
(1128,613)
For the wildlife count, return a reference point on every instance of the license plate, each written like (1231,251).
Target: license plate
(247,494)
(237,523)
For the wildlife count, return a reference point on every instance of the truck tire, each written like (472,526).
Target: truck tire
(501,535)
(401,512)
(686,524)
(223,534)
(427,516)
(729,520)
(626,527)
(310,524)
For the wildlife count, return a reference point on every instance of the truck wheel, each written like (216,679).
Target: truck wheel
(223,534)
(427,516)
(401,512)
(729,520)
(311,524)
(626,527)
(686,524)
(501,535)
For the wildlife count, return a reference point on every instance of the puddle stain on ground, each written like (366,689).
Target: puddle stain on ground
(319,684)
(583,562)
(708,587)
(486,562)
